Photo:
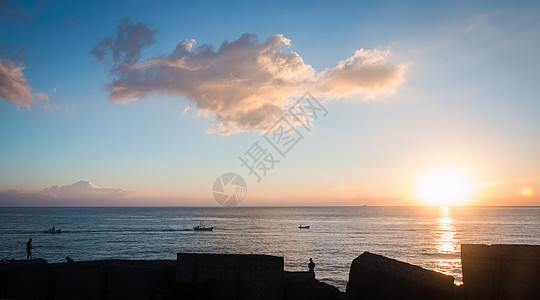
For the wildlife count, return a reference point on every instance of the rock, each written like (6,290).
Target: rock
(342,296)
(80,280)
(138,279)
(377,277)
(29,281)
(501,271)
(24,262)
(324,291)
(192,276)
(230,276)
(205,289)
(3,283)
(88,280)
(459,293)
(299,285)
(303,285)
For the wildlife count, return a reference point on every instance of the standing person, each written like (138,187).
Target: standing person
(29,247)
(311,266)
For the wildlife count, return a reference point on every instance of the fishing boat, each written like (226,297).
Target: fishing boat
(201,227)
(304,226)
(55,231)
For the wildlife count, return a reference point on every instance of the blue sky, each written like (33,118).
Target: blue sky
(468,100)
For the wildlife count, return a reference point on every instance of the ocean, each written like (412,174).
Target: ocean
(426,236)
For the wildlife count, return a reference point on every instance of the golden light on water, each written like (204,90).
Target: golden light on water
(446,242)
(446,245)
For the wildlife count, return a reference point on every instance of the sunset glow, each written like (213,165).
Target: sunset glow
(526,192)
(269,139)
(151,103)
(444,187)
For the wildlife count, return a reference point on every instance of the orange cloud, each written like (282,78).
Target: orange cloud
(243,85)
(13,86)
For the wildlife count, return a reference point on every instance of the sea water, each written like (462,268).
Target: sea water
(426,236)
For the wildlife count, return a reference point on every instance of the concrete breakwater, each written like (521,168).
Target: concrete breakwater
(501,271)
(490,272)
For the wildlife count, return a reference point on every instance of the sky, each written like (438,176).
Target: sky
(111,103)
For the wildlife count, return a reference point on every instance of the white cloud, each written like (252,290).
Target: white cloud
(83,190)
(245,84)
(65,195)
(13,86)
(184,112)
(367,72)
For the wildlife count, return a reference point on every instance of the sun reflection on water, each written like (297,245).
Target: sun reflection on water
(447,256)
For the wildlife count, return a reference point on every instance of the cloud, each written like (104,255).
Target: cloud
(244,84)
(13,12)
(367,72)
(127,43)
(83,190)
(184,112)
(13,86)
(74,194)
(41,96)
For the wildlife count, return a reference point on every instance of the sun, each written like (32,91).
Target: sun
(444,187)
(526,192)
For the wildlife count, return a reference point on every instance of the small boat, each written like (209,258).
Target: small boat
(201,227)
(304,226)
(55,231)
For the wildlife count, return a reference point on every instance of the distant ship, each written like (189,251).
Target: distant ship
(201,227)
(304,226)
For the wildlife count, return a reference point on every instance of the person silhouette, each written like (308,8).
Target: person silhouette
(29,247)
(311,266)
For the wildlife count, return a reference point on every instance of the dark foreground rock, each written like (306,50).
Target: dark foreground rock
(107,279)
(324,291)
(299,285)
(82,280)
(377,277)
(26,279)
(192,276)
(230,276)
(501,271)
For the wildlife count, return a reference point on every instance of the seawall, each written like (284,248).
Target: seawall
(497,272)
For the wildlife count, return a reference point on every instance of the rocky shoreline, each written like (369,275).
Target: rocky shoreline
(489,272)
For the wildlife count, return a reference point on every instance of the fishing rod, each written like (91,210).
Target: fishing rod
(41,254)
